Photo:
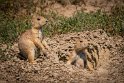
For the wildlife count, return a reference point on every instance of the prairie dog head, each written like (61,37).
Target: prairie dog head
(79,43)
(38,22)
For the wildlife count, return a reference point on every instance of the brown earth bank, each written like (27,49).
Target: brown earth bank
(50,69)
(62,7)
(87,6)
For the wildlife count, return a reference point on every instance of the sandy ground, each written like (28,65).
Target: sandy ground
(51,70)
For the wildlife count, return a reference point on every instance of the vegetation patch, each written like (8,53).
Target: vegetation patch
(11,28)
(84,21)
(113,24)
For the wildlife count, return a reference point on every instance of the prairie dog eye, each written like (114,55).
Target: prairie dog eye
(38,19)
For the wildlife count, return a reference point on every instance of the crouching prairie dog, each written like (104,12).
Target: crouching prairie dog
(33,39)
(76,56)
(85,57)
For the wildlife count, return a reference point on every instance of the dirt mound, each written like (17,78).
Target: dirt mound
(51,69)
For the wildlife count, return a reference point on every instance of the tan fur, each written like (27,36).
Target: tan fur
(72,56)
(90,52)
(32,39)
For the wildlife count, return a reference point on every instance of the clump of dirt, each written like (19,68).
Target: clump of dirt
(50,69)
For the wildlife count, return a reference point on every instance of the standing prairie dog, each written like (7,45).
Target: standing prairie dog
(32,39)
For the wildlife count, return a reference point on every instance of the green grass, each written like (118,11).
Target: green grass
(84,21)
(11,28)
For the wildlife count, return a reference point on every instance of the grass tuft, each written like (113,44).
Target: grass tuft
(83,21)
(11,28)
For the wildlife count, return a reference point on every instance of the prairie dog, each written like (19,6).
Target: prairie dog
(32,39)
(83,56)
(76,56)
